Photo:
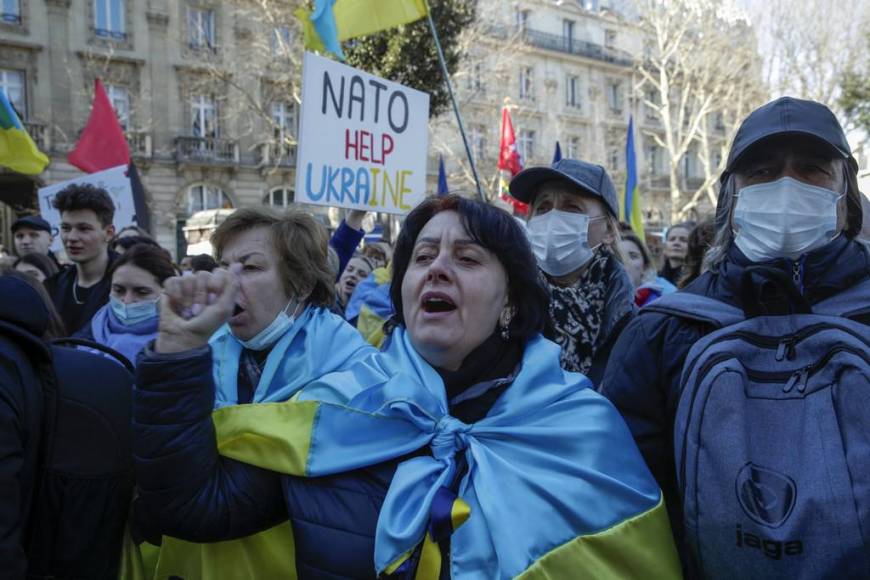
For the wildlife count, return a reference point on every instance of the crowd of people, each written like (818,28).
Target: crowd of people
(487,397)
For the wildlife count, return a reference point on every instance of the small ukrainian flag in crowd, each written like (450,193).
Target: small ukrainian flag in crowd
(18,152)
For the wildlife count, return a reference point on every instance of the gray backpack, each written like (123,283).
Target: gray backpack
(772,440)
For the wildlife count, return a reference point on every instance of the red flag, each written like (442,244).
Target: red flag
(508,156)
(509,160)
(102,144)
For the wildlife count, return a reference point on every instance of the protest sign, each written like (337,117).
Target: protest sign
(114,181)
(362,140)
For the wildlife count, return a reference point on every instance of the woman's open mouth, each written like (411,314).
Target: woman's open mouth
(437,303)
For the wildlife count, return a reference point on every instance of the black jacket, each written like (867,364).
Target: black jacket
(60,288)
(643,374)
(65,460)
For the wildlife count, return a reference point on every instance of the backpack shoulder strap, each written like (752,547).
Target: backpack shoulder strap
(77,342)
(850,302)
(698,308)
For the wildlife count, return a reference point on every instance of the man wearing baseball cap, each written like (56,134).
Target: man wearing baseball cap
(574,233)
(32,234)
(788,213)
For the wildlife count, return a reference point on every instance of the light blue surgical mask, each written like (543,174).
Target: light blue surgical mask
(132,314)
(267,337)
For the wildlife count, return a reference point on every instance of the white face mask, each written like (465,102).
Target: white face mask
(560,241)
(785,218)
(267,337)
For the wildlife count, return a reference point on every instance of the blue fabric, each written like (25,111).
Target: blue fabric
(643,374)
(344,241)
(107,330)
(549,426)
(658,288)
(370,293)
(324,23)
(442,178)
(317,343)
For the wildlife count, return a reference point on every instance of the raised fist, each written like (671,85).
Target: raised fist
(192,308)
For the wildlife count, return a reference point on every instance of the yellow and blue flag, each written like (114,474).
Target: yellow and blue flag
(18,152)
(333,21)
(631,204)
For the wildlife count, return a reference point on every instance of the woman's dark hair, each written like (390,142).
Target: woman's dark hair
(128,242)
(45,264)
(203,262)
(154,260)
(85,196)
(55,328)
(500,233)
(700,240)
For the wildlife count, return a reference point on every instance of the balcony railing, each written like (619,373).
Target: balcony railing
(562,43)
(39,133)
(207,150)
(140,144)
(277,155)
(660,181)
(10,18)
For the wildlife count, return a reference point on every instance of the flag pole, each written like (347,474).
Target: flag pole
(453,100)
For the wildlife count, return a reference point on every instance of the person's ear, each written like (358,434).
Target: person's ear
(609,237)
(110,232)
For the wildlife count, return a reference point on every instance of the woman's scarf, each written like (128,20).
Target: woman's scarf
(554,480)
(317,343)
(577,313)
(127,340)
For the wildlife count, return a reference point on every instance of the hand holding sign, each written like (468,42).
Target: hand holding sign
(363,140)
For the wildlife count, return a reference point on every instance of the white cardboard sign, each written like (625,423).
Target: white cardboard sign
(114,181)
(362,140)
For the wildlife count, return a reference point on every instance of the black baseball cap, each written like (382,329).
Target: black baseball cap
(784,116)
(34,222)
(591,178)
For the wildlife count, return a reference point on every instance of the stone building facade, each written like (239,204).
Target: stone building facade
(176,72)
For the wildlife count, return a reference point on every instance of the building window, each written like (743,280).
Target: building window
(523,18)
(280,198)
(203,117)
(475,78)
(280,40)
(610,38)
(527,83)
(614,96)
(573,149)
(109,19)
(688,165)
(120,99)
(527,145)
(11,11)
(590,4)
(613,160)
(201,29)
(719,121)
(12,83)
(203,197)
(654,160)
(283,121)
(568,33)
(572,91)
(477,140)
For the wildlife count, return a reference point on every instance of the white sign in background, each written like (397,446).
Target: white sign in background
(363,140)
(114,181)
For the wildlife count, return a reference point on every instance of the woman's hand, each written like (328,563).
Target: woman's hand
(355,217)
(194,307)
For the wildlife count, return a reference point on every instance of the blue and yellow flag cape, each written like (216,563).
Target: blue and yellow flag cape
(371,306)
(555,485)
(18,152)
(632,212)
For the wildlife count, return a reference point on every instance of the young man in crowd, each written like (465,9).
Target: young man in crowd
(32,235)
(86,228)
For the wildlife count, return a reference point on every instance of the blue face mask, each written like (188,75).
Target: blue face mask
(132,314)
(267,337)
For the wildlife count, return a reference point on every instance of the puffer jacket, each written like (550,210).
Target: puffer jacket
(643,374)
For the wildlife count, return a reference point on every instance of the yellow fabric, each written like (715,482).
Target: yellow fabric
(355,18)
(310,39)
(429,567)
(274,436)
(641,547)
(371,326)
(459,513)
(137,562)
(382,275)
(637,216)
(19,153)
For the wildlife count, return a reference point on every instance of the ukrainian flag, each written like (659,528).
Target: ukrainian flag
(18,152)
(336,20)
(631,207)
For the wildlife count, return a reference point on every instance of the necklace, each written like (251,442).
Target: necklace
(75,296)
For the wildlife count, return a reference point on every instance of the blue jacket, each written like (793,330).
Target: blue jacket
(344,241)
(643,374)
(105,329)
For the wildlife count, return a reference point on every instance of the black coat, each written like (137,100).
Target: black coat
(60,289)
(643,374)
